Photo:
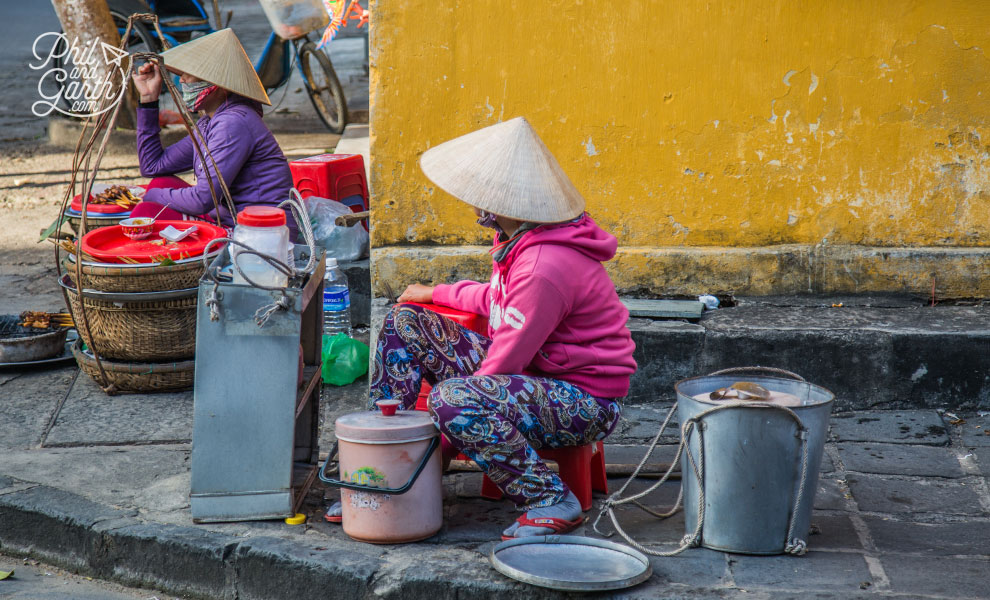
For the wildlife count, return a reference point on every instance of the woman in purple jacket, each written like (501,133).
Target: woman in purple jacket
(218,82)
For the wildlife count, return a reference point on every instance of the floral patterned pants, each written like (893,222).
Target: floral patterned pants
(499,421)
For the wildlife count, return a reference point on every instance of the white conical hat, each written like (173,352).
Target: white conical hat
(505,169)
(220,59)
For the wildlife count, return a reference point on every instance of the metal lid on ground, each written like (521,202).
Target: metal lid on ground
(571,563)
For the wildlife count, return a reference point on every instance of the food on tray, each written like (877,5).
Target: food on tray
(114,245)
(44,320)
(116,194)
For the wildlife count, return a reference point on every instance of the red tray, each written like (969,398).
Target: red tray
(109,244)
(100,208)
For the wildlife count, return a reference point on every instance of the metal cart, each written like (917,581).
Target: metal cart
(255,425)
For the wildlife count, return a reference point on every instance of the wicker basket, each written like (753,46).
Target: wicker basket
(137,377)
(75,223)
(160,330)
(133,278)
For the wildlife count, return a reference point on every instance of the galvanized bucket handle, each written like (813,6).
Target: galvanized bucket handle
(434,444)
(759,369)
(792,544)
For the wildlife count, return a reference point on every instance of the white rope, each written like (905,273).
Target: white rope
(793,545)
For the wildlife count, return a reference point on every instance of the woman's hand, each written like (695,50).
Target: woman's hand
(417,293)
(148,82)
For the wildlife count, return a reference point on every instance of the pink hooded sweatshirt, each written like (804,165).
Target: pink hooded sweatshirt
(552,310)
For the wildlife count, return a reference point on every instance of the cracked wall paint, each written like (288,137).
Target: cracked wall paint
(860,122)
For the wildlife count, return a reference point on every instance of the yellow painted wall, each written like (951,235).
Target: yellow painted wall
(697,123)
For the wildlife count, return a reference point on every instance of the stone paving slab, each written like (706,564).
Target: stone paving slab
(895,427)
(817,570)
(952,577)
(693,567)
(27,401)
(983,460)
(128,519)
(874,493)
(154,478)
(833,532)
(640,423)
(90,417)
(937,539)
(900,459)
(830,495)
(828,465)
(975,432)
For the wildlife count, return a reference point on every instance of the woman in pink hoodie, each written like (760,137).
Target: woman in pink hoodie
(558,355)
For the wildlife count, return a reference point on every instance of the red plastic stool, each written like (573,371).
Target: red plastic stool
(582,468)
(339,177)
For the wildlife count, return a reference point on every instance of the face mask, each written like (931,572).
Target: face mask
(193,94)
(487,219)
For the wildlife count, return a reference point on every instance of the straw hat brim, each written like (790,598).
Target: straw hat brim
(219,59)
(505,169)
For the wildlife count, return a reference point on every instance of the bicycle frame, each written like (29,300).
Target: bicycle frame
(169,31)
(274,64)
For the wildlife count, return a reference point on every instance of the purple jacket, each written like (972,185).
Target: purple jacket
(245,151)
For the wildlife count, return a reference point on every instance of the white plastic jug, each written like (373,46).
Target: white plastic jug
(262,228)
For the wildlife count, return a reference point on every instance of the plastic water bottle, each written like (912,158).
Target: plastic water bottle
(336,301)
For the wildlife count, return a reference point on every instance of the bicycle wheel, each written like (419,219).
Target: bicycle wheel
(323,87)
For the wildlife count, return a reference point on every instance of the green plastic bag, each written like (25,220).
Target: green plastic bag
(344,359)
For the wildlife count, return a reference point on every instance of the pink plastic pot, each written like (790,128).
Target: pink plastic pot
(389,476)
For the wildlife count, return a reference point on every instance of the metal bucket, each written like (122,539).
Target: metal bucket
(755,455)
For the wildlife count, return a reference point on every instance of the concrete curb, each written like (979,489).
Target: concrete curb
(869,357)
(71,532)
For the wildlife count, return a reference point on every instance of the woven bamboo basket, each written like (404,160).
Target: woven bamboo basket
(160,330)
(137,377)
(132,278)
(75,223)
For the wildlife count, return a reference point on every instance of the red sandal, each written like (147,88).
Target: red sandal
(557,526)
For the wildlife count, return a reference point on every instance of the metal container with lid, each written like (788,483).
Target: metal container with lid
(390,475)
(761,459)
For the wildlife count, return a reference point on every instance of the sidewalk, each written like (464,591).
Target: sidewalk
(100,485)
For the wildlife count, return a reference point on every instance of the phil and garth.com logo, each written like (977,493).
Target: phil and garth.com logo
(74,78)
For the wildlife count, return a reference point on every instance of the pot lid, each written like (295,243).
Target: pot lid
(375,427)
(570,562)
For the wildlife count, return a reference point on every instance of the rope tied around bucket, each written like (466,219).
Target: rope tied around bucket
(794,545)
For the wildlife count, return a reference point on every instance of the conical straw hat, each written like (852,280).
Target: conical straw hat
(505,169)
(220,59)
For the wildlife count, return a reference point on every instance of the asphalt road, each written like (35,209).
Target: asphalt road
(34,581)
(23,21)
